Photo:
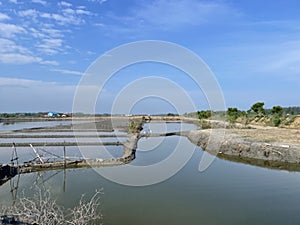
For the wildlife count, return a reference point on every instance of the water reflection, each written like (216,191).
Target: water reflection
(8,126)
(227,193)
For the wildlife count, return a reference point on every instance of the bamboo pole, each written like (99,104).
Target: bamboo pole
(37,154)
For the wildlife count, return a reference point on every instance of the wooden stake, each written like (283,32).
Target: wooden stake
(37,154)
(65,155)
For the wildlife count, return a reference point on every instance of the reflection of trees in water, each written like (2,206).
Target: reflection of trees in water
(42,209)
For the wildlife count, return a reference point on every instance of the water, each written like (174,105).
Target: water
(45,140)
(21,125)
(226,193)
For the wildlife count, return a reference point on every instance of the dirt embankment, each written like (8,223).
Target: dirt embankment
(263,146)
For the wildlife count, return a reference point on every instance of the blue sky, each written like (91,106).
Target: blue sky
(252,47)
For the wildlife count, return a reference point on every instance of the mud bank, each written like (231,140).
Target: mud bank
(127,156)
(242,148)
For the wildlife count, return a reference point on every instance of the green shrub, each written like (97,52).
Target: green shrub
(276,121)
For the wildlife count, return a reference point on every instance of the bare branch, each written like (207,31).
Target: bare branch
(42,210)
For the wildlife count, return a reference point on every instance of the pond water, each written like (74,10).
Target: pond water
(226,193)
(21,125)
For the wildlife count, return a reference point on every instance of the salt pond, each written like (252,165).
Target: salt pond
(226,193)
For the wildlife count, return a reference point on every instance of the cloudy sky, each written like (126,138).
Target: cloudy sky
(252,47)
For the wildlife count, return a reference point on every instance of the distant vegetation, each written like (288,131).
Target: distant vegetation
(18,115)
(204,114)
(28,115)
(257,114)
(135,126)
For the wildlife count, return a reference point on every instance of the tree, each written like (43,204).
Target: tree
(278,110)
(232,114)
(204,114)
(258,108)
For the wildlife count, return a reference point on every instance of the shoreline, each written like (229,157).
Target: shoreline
(234,147)
(270,147)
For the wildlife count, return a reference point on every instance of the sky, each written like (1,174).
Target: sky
(46,47)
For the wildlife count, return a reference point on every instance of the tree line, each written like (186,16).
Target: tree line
(275,115)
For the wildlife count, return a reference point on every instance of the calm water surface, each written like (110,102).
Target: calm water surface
(21,125)
(226,193)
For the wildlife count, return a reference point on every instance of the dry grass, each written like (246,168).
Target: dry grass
(270,134)
(43,210)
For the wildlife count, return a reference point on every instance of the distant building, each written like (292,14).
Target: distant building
(52,114)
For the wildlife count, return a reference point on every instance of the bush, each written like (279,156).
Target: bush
(233,114)
(276,121)
(204,114)
(135,127)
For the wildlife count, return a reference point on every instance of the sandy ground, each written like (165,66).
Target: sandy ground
(270,134)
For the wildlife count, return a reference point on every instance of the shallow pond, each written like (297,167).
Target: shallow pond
(226,193)
(24,125)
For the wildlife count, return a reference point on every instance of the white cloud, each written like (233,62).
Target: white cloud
(69,72)
(10,30)
(4,81)
(283,59)
(166,15)
(68,11)
(4,16)
(54,33)
(99,24)
(49,62)
(42,2)
(32,33)
(274,58)
(16,58)
(83,12)
(55,43)
(77,11)
(64,19)
(65,4)
(29,13)
(81,7)
(90,53)
(99,1)
(36,33)
(11,53)
(9,46)
(50,46)
(179,12)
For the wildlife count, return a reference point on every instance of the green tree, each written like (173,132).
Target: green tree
(233,114)
(204,114)
(278,110)
(258,108)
